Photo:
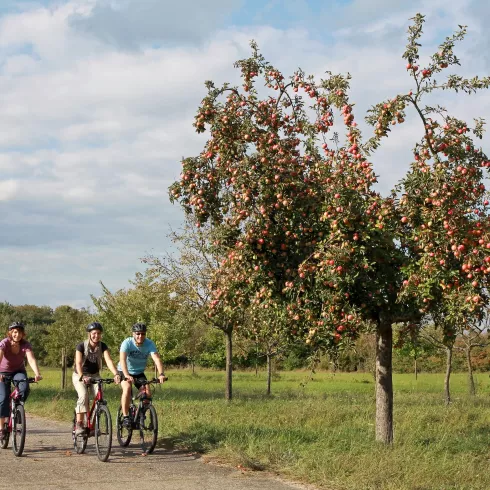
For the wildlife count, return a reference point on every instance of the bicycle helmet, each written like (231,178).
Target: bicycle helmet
(94,326)
(17,325)
(139,327)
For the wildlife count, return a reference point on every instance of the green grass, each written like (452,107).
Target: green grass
(321,430)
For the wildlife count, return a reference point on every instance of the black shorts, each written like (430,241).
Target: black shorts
(138,378)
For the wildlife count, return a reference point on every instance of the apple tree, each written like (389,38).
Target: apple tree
(304,229)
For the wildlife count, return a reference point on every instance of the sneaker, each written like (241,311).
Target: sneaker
(79,430)
(126,421)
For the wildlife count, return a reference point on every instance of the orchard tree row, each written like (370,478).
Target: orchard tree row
(305,244)
(185,341)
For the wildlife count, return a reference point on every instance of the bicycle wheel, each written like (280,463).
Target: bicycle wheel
(123,433)
(149,428)
(80,440)
(18,430)
(103,432)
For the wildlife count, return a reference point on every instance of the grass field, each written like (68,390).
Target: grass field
(319,430)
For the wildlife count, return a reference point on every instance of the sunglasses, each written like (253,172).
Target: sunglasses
(140,333)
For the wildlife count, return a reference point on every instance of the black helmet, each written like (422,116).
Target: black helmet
(94,326)
(139,327)
(18,325)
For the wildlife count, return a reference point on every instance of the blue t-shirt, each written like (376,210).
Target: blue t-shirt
(136,356)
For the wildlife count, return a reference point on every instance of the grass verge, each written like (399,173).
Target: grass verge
(319,431)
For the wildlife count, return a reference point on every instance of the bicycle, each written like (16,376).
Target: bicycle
(143,418)
(98,423)
(16,424)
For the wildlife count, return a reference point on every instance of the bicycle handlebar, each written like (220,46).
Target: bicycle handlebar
(10,379)
(153,381)
(94,381)
(148,381)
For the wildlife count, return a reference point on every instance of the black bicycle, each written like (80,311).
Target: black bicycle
(16,424)
(143,417)
(97,424)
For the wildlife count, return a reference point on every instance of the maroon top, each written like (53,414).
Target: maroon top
(11,362)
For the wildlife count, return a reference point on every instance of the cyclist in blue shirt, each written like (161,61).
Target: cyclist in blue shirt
(133,356)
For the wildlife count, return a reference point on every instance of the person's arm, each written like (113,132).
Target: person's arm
(124,366)
(110,365)
(159,364)
(78,364)
(31,359)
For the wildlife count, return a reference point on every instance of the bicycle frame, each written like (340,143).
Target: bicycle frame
(99,398)
(14,398)
(147,400)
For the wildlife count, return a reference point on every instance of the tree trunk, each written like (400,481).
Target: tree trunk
(415,369)
(449,359)
(257,360)
(63,368)
(471,381)
(384,383)
(229,364)
(269,373)
(193,366)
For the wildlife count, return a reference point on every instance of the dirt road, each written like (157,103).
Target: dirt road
(49,461)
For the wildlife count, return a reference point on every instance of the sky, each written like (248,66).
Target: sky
(97,100)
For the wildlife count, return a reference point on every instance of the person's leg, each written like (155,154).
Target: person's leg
(20,380)
(125,397)
(81,408)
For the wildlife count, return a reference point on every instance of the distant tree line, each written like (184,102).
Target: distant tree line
(186,342)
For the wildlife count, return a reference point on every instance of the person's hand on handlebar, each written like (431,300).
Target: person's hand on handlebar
(162,378)
(38,377)
(128,378)
(117,379)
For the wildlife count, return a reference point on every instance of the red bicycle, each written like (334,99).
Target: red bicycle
(16,424)
(98,424)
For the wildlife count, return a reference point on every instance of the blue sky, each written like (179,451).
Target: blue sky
(97,99)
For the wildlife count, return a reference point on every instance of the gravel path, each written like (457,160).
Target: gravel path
(49,461)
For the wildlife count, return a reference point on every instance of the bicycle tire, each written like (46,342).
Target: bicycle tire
(124,434)
(149,428)
(18,430)
(103,433)
(79,441)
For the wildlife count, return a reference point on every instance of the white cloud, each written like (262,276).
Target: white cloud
(93,125)
(8,189)
(127,24)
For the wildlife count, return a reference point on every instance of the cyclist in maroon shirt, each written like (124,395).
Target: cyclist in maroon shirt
(14,349)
